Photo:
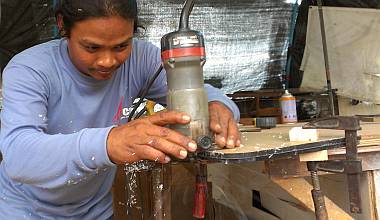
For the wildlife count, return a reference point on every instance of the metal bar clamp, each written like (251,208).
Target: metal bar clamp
(350,166)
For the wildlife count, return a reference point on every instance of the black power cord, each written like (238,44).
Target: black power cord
(140,113)
(185,14)
(142,94)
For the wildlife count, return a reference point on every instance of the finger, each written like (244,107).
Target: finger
(221,137)
(173,137)
(233,134)
(214,122)
(170,117)
(146,152)
(167,147)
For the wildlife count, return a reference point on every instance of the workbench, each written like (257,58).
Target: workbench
(279,181)
(267,178)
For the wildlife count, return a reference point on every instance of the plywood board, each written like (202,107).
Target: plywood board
(233,185)
(274,143)
(376,192)
(353,49)
(314,156)
(285,210)
(300,188)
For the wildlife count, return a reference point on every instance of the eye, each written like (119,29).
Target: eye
(121,47)
(91,49)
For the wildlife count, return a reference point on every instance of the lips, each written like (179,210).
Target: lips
(104,72)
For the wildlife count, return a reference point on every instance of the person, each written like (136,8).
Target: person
(64,121)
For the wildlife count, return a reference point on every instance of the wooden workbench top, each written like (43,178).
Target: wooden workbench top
(276,140)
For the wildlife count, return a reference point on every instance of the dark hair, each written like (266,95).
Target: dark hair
(73,11)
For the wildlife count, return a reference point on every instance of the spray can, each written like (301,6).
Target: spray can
(288,108)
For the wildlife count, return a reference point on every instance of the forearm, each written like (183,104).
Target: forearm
(215,94)
(50,161)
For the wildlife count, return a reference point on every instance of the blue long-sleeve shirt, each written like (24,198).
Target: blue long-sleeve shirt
(54,126)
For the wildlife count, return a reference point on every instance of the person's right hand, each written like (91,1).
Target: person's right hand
(147,139)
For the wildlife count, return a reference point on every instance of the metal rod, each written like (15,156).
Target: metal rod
(318,197)
(315,180)
(293,21)
(319,205)
(351,145)
(353,180)
(326,57)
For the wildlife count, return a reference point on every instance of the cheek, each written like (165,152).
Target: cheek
(122,57)
(82,59)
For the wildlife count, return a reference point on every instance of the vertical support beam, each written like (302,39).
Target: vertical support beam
(353,180)
(167,191)
(157,185)
(119,194)
(161,183)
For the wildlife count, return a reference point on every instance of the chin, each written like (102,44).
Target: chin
(103,77)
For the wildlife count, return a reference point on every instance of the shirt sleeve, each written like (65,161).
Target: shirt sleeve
(215,94)
(30,154)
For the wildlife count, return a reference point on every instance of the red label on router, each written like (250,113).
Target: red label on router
(183,52)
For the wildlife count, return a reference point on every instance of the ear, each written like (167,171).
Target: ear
(60,25)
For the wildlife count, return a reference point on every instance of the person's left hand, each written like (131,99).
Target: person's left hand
(223,124)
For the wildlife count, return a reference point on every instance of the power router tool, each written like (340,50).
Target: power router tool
(183,56)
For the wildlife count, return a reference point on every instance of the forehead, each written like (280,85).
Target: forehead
(105,30)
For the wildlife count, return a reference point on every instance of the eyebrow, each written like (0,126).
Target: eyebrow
(85,41)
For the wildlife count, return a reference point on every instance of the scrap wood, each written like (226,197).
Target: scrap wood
(369,142)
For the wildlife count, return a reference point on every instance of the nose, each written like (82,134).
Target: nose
(107,60)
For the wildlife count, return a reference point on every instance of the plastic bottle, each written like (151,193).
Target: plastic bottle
(288,108)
